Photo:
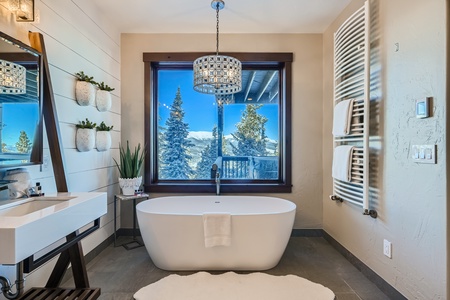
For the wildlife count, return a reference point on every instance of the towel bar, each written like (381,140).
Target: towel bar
(352,81)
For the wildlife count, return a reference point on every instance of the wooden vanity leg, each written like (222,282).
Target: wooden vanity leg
(78,266)
(59,270)
(73,255)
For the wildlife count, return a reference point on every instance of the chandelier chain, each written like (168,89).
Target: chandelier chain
(220,75)
(217,28)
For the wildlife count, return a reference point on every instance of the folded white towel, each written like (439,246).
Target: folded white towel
(342,162)
(217,229)
(342,117)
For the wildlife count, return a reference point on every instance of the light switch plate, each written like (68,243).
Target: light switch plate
(423,154)
(423,108)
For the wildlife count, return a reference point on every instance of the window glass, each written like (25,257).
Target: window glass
(247,135)
(18,123)
(194,129)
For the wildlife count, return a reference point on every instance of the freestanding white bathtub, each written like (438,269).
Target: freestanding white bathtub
(173,233)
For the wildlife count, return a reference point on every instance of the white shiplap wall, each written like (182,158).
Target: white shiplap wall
(77,38)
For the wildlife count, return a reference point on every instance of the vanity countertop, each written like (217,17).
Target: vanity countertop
(30,224)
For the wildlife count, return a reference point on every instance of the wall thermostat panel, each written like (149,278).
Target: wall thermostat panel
(423,108)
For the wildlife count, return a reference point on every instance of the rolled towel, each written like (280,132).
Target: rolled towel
(217,229)
(342,117)
(342,163)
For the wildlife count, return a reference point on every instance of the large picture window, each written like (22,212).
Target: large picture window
(247,135)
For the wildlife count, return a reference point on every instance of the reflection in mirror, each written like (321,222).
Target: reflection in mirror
(20,103)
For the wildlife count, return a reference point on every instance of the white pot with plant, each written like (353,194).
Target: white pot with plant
(130,167)
(103,96)
(103,137)
(84,89)
(85,137)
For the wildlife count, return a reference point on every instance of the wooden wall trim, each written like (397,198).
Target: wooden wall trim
(243,56)
(50,116)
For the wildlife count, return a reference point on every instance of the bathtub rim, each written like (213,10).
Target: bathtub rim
(292,205)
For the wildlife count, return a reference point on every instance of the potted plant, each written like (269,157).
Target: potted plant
(130,167)
(84,89)
(103,96)
(85,138)
(103,137)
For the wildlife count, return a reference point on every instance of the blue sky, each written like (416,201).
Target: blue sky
(18,117)
(201,109)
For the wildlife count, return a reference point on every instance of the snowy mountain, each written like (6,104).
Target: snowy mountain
(201,139)
(200,135)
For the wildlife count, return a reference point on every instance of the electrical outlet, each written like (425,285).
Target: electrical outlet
(45,163)
(387,248)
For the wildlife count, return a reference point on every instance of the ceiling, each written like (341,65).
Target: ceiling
(258,86)
(238,16)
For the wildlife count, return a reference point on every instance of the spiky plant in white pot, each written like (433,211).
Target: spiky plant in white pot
(130,166)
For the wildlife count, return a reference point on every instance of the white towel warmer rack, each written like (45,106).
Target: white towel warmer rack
(352,81)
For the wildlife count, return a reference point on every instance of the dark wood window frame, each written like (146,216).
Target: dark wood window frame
(151,184)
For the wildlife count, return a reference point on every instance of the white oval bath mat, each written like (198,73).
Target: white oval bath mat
(253,286)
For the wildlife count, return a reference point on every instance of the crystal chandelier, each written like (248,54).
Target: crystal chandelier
(217,74)
(12,78)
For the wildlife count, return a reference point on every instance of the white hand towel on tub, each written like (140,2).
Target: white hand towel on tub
(342,117)
(342,163)
(217,229)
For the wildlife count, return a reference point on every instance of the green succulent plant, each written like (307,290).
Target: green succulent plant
(83,77)
(104,87)
(131,163)
(103,127)
(86,124)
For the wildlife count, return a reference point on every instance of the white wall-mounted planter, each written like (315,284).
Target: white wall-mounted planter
(103,100)
(85,139)
(85,93)
(129,185)
(103,140)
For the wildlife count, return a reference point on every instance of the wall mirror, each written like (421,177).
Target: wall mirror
(20,103)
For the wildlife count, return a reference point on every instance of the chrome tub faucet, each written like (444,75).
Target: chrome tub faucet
(217,183)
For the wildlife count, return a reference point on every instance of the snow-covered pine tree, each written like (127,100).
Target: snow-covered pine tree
(209,155)
(251,133)
(23,145)
(175,148)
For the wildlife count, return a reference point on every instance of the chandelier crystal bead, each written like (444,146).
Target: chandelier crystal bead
(225,99)
(217,74)
(12,78)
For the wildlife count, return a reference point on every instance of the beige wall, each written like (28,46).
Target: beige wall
(75,42)
(306,100)
(412,202)
(412,197)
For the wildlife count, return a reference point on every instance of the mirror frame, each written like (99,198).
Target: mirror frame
(36,156)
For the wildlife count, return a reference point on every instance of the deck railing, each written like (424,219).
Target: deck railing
(248,167)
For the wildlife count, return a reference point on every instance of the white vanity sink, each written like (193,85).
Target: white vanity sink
(31,207)
(29,225)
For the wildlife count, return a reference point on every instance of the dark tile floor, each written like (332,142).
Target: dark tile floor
(120,273)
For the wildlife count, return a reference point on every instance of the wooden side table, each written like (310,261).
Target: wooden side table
(134,243)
